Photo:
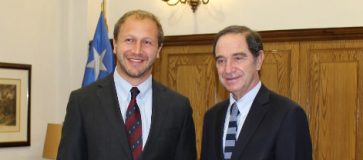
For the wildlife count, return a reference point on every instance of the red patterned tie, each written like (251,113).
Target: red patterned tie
(133,125)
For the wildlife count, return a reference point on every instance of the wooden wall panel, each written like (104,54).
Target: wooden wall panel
(321,69)
(191,72)
(279,71)
(334,92)
(336,104)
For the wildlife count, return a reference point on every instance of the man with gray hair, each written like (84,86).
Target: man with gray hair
(254,123)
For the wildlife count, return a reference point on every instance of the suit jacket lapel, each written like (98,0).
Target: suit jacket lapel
(220,128)
(253,120)
(108,97)
(158,110)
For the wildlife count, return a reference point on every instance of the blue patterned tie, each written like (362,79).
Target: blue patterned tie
(231,132)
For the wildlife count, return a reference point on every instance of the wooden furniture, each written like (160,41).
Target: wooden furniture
(52,140)
(321,69)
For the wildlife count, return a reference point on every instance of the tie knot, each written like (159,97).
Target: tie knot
(234,109)
(134,91)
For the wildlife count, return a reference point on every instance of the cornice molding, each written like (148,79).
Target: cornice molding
(276,36)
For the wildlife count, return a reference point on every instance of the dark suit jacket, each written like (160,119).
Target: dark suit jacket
(275,129)
(94,129)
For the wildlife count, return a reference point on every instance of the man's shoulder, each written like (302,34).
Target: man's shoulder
(166,91)
(218,108)
(91,88)
(281,102)
(281,99)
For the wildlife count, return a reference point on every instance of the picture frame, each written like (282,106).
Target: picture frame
(15,93)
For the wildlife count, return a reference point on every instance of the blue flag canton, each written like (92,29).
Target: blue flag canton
(100,61)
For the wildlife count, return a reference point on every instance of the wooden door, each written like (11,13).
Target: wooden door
(332,84)
(190,70)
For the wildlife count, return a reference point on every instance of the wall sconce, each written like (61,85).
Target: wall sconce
(193,3)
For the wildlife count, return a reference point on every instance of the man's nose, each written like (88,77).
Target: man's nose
(137,48)
(228,66)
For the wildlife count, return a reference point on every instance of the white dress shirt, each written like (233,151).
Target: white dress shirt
(244,105)
(143,100)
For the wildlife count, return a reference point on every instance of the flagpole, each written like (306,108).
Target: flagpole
(103,9)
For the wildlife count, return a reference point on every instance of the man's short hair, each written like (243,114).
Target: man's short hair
(253,39)
(139,14)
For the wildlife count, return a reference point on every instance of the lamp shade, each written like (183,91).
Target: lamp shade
(52,140)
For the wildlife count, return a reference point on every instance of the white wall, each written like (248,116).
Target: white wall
(52,36)
(257,14)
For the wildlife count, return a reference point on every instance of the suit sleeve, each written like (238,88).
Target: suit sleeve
(73,144)
(186,147)
(294,142)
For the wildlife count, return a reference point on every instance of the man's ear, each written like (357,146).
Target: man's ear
(114,45)
(159,50)
(259,60)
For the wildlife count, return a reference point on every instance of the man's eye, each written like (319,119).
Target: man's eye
(239,58)
(128,40)
(220,61)
(148,42)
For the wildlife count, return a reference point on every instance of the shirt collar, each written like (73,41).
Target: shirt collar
(124,86)
(247,98)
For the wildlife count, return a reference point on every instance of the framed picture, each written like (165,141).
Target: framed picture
(15,104)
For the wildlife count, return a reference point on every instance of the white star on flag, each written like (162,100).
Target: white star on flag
(97,62)
(100,61)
